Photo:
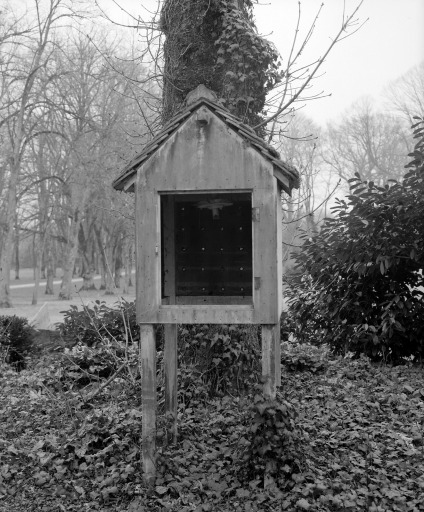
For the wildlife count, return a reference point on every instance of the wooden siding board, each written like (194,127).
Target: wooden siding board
(147,251)
(279,264)
(168,250)
(148,402)
(264,262)
(269,360)
(200,315)
(201,159)
(171,369)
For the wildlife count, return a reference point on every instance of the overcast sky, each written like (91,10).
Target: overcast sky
(388,45)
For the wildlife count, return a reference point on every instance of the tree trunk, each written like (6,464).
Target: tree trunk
(102,277)
(206,44)
(50,266)
(87,258)
(110,284)
(106,251)
(127,266)
(8,237)
(66,287)
(118,265)
(17,266)
(88,281)
(37,270)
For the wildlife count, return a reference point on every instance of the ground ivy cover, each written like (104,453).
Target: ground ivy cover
(359,441)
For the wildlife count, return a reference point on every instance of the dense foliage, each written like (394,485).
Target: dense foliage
(362,442)
(16,340)
(361,277)
(216,44)
(218,359)
(213,359)
(90,325)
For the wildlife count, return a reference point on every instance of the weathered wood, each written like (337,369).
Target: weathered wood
(171,365)
(265,255)
(199,300)
(168,253)
(269,362)
(179,314)
(279,248)
(198,159)
(147,251)
(148,402)
(277,355)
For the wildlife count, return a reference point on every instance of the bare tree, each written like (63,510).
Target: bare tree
(370,143)
(406,94)
(216,43)
(28,46)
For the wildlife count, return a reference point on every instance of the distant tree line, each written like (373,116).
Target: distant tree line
(71,114)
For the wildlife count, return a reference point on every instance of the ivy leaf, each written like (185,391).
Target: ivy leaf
(161,490)
(303,504)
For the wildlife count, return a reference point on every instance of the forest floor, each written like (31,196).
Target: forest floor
(361,435)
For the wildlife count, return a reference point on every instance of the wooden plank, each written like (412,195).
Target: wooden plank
(171,365)
(277,355)
(148,402)
(279,235)
(148,286)
(269,336)
(265,272)
(206,299)
(168,237)
(198,159)
(282,178)
(199,315)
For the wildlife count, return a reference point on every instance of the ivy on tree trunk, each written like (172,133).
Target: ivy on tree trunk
(215,43)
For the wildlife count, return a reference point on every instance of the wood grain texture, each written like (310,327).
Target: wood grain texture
(170,368)
(201,315)
(148,402)
(204,158)
(269,362)
(168,247)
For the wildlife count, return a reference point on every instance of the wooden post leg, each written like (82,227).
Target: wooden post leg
(278,355)
(171,364)
(269,372)
(148,402)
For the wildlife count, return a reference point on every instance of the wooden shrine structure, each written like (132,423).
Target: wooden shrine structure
(208,241)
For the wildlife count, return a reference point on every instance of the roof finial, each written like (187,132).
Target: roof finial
(201,91)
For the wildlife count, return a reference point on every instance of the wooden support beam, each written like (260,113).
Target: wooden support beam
(171,365)
(168,237)
(277,355)
(148,402)
(269,361)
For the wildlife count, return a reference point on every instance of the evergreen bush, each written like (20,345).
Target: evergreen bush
(360,281)
(16,340)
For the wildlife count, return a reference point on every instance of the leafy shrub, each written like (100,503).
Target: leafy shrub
(298,357)
(271,454)
(91,325)
(360,282)
(222,357)
(16,340)
(83,365)
(212,359)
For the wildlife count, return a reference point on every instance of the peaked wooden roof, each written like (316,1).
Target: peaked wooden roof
(285,173)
